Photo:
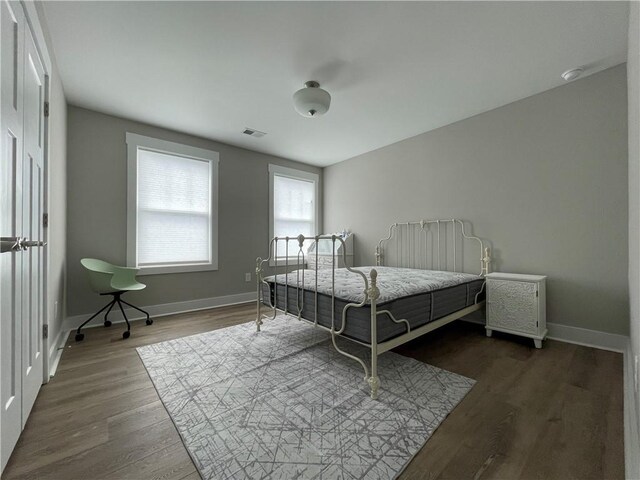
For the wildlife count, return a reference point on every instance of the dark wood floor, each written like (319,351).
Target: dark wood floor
(550,413)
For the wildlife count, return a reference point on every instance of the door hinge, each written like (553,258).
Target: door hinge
(46,109)
(536,293)
(45,331)
(45,220)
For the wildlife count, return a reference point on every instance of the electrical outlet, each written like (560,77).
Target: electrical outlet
(247,277)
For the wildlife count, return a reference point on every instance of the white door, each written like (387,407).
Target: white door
(21,204)
(11,86)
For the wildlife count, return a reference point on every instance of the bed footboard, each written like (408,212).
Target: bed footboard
(274,260)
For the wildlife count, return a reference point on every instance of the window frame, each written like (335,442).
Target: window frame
(136,142)
(278,170)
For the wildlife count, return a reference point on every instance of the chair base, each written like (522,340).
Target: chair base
(107,323)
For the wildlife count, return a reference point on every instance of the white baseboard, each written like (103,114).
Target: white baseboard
(71,323)
(577,335)
(631,420)
(588,338)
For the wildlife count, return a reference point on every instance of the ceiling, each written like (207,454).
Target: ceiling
(393,69)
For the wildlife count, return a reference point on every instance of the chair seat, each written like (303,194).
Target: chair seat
(127,286)
(105,277)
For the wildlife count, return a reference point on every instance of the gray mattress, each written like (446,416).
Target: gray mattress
(418,308)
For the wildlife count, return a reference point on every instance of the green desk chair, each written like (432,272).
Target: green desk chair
(107,279)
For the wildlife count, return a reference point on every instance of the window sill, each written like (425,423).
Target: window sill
(165,269)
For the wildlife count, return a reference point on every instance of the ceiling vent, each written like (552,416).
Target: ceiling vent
(253,133)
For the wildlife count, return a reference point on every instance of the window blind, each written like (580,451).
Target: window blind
(293,210)
(174,209)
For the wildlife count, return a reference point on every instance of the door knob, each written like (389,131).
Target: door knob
(10,244)
(17,244)
(32,243)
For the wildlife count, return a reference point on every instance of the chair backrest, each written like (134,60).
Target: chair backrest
(99,273)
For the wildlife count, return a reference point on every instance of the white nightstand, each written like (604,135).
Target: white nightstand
(517,304)
(325,259)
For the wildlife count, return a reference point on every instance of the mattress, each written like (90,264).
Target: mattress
(419,296)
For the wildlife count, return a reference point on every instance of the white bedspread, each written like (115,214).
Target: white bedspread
(393,282)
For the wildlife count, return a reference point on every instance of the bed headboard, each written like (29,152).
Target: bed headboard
(433,245)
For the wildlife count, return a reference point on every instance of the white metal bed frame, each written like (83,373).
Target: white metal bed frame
(412,250)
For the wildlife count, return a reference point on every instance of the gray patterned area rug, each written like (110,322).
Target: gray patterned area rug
(283,404)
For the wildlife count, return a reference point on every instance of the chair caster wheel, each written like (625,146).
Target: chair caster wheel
(126,334)
(149,321)
(107,323)
(79,337)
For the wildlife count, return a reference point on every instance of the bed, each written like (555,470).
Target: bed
(424,278)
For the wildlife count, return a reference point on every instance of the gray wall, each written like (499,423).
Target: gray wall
(57,208)
(543,178)
(633,71)
(97,213)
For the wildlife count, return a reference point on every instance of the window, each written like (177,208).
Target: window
(172,206)
(293,207)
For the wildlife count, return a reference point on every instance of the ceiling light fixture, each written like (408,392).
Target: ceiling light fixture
(572,74)
(311,101)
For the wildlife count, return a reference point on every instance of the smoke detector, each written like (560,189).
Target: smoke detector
(572,74)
